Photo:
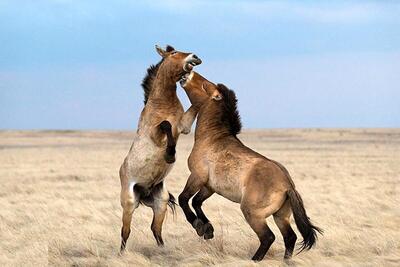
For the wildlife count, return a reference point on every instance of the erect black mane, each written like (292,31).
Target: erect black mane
(230,114)
(147,82)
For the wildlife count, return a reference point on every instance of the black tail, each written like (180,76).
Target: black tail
(146,196)
(303,223)
(172,203)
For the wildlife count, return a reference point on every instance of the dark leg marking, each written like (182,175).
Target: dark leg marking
(260,227)
(282,220)
(266,241)
(205,228)
(290,241)
(192,186)
(166,128)
(124,237)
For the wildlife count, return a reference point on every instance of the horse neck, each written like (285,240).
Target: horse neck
(164,88)
(196,99)
(209,126)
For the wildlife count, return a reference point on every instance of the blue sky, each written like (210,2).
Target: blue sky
(78,64)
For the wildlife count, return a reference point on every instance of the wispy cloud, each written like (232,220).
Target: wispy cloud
(311,11)
(315,11)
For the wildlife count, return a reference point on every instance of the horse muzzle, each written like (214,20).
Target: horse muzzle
(190,62)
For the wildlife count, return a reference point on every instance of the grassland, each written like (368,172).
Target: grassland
(59,201)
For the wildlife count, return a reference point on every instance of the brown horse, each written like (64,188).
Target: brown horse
(152,153)
(220,163)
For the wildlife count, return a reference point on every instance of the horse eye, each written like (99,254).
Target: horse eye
(173,53)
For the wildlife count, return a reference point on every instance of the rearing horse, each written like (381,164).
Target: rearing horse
(220,163)
(152,153)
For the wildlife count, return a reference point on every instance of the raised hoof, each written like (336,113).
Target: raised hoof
(257,258)
(208,231)
(169,158)
(199,226)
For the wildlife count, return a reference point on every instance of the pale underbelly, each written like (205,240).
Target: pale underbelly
(145,163)
(228,188)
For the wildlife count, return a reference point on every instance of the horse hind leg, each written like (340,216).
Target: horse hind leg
(282,220)
(205,228)
(256,209)
(158,201)
(129,203)
(257,222)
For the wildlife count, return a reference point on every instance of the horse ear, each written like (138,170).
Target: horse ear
(217,96)
(170,48)
(160,51)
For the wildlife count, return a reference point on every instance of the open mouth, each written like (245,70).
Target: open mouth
(191,62)
(189,66)
(184,78)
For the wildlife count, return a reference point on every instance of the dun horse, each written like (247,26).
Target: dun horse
(152,153)
(220,163)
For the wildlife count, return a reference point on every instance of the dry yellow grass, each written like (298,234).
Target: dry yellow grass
(59,200)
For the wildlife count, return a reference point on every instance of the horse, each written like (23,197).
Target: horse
(220,163)
(152,153)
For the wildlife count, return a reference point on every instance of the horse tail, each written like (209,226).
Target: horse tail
(303,223)
(172,203)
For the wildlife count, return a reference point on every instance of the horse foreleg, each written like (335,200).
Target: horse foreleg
(166,128)
(187,120)
(207,230)
(193,185)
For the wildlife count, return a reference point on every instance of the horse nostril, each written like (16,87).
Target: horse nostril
(195,57)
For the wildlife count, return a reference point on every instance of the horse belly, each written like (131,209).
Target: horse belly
(146,164)
(225,185)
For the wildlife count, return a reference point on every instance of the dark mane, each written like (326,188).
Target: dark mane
(230,114)
(147,82)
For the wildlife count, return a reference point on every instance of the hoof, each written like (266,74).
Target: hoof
(208,231)
(169,158)
(121,251)
(287,256)
(257,258)
(199,226)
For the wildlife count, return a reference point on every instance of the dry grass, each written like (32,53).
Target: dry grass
(59,200)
